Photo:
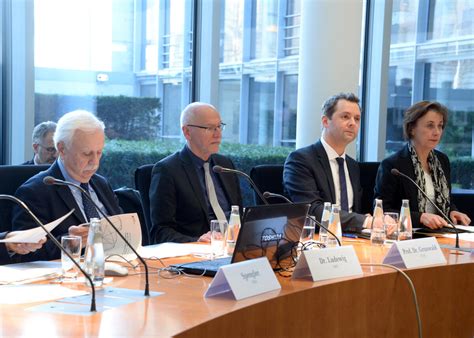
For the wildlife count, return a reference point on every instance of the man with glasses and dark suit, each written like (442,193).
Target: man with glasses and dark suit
(43,144)
(185,194)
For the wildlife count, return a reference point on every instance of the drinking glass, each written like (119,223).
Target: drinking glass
(73,245)
(390,220)
(218,237)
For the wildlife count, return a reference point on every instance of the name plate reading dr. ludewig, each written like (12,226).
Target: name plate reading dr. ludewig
(244,279)
(328,263)
(415,253)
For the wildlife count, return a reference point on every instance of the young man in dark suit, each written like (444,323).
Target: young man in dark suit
(181,202)
(323,172)
(79,139)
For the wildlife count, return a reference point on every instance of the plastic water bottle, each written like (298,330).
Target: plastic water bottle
(233,230)
(323,233)
(95,260)
(377,235)
(405,230)
(334,226)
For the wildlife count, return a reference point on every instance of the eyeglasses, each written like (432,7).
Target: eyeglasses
(48,149)
(219,128)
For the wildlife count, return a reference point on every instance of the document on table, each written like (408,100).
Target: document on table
(22,294)
(114,245)
(36,234)
(29,272)
(166,250)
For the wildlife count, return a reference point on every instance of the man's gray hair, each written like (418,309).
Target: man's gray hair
(41,130)
(69,123)
(189,112)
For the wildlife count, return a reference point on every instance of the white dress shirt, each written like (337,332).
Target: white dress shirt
(332,155)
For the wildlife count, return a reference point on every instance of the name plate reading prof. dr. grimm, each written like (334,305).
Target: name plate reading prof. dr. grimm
(415,253)
(328,263)
(244,279)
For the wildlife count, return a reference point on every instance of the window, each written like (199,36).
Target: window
(432,58)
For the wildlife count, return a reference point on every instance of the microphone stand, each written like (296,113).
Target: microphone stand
(221,170)
(55,241)
(51,180)
(268,194)
(397,172)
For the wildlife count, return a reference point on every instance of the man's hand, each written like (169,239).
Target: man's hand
(23,248)
(80,230)
(205,237)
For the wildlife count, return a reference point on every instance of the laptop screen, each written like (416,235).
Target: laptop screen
(272,231)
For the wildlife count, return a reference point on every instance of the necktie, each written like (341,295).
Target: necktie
(211,193)
(89,208)
(342,184)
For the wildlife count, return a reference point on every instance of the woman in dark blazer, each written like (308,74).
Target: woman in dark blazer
(423,126)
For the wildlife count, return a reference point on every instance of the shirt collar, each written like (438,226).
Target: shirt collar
(198,162)
(66,175)
(332,154)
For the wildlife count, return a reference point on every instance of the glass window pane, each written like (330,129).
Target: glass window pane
(451,18)
(265,28)
(229,107)
(261,108)
(290,100)
(404,18)
(452,83)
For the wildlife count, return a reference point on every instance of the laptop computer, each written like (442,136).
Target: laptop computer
(267,230)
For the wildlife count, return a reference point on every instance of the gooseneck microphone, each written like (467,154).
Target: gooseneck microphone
(221,170)
(56,243)
(397,172)
(268,194)
(49,180)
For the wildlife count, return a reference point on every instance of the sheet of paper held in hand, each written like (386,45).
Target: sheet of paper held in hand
(36,234)
(129,227)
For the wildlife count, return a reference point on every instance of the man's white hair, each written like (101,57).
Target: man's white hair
(69,123)
(188,113)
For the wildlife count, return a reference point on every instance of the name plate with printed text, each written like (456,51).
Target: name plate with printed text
(245,279)
(328,263)
(415,253)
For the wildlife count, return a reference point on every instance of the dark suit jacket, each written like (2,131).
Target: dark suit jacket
(49,202)
(178,207)
(4,256)
(30,162)
(392,189)
(307,177)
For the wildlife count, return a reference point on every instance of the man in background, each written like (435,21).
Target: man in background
(185,194)
(79,139)
(323,172)
(43,144)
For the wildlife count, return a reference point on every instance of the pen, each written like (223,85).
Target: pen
(350,235)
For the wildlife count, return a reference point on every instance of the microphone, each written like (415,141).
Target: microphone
(221,170)
(56,243)
(397,172)
(49,180)
(268,194)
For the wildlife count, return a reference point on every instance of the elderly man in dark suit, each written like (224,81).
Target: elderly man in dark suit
(323,172)
(79,139)
(185,194)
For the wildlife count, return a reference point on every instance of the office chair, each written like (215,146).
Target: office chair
(11,178)
(268,177)
(142,184)
(368,173)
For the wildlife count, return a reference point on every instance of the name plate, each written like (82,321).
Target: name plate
(415,253)
(328,263)
(244,279)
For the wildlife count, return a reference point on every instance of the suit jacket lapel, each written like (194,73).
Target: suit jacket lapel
(65,193)
(324,163)
(352,166)
(191,174)
(101,195)
(226,182)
